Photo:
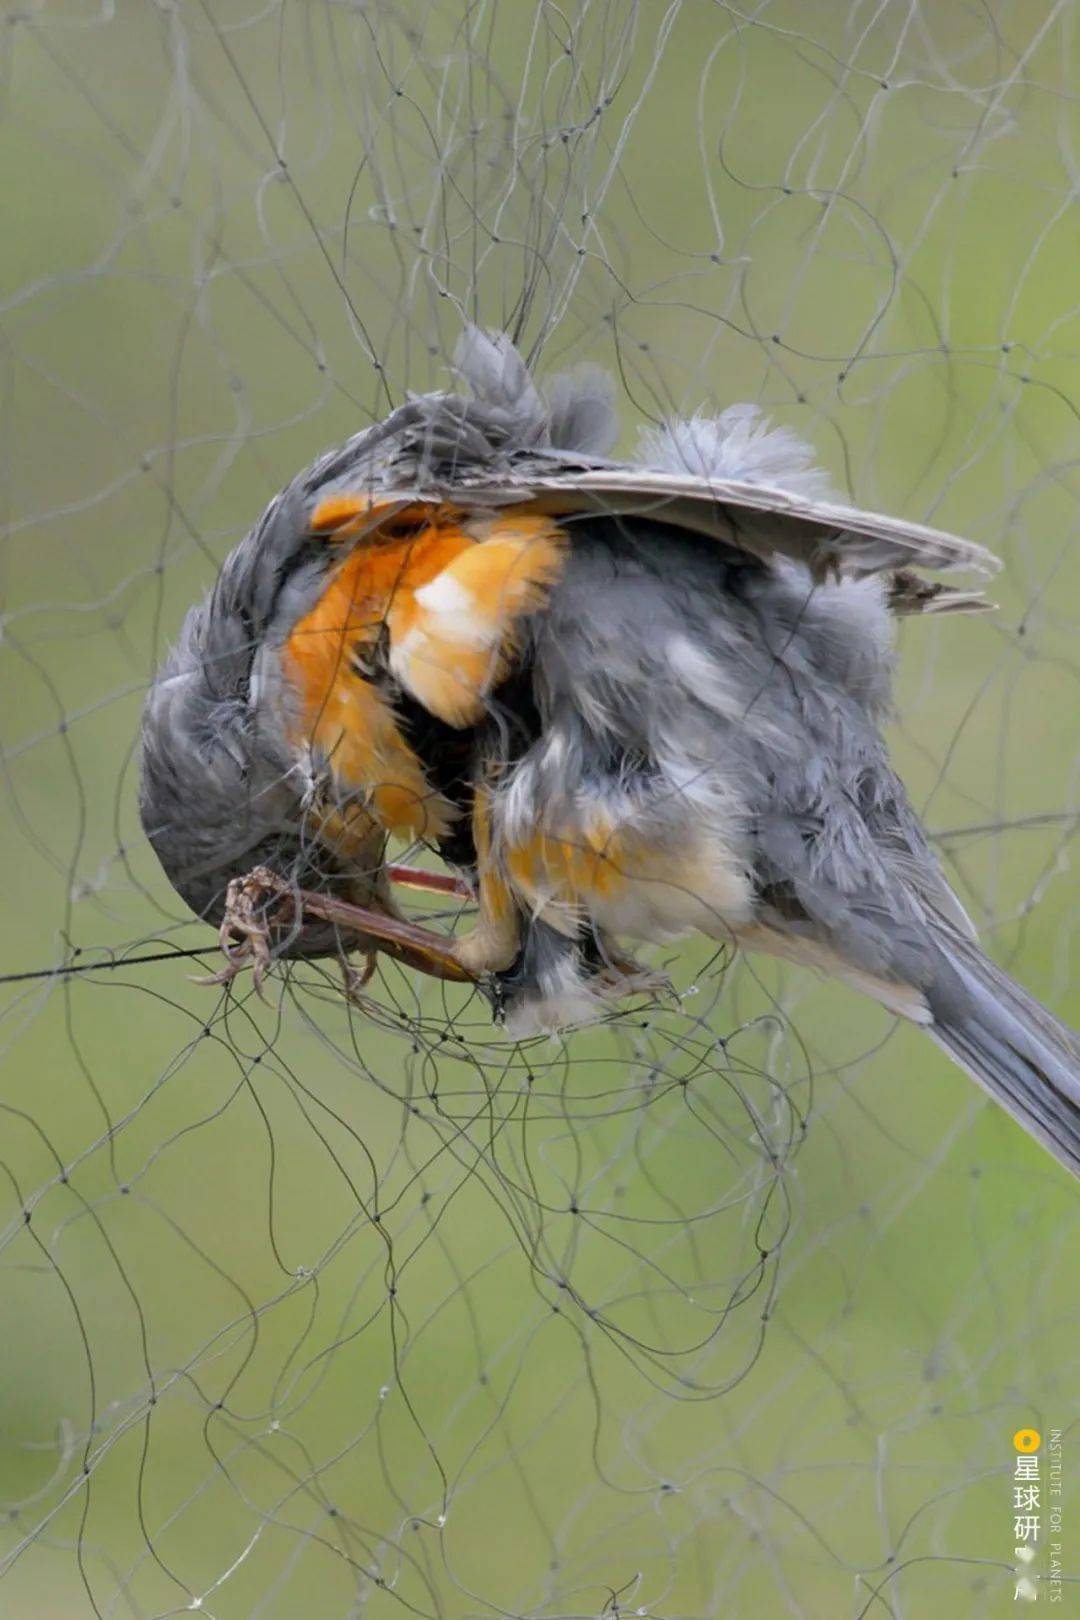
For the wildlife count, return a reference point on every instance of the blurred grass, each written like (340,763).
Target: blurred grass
(303,1270)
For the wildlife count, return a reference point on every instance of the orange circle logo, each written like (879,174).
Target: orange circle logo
(1027,1439)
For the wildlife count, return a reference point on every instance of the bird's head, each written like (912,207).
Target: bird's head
(221,791)
(229,771)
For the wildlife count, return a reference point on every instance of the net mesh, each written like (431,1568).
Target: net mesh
(730,1305)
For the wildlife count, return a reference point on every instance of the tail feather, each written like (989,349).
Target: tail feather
(1010,1044)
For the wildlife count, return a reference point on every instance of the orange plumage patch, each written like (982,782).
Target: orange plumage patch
(343,715)
(569,872)
(447,593)
(344,515)
(452,641)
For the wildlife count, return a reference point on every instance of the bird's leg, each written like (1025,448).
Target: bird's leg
(406,942)
(246,929)
(412,877)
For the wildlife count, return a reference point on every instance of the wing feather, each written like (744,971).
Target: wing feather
(828,537)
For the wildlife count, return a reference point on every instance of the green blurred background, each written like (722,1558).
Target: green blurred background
(313,1312)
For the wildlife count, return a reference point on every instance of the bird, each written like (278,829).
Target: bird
(622,699)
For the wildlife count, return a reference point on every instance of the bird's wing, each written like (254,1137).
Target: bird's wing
(829,538)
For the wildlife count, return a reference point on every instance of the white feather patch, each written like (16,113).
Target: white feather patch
(454,613)
(445,594)
(565,996)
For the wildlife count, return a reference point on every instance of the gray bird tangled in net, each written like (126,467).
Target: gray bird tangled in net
(497,1237)
(623,700)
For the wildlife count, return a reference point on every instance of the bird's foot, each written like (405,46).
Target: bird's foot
(631,979)
(263,902)
(244,934)
(622,975)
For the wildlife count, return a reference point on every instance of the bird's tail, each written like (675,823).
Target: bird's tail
(1010,1044)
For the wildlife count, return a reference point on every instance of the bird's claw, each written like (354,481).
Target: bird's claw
(356,979)
(255,907)
(244,934)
